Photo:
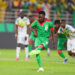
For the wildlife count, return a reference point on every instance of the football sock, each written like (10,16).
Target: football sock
(38,60)
(26,51)
(30,46)
(17,52)
(61,53)
(46,48)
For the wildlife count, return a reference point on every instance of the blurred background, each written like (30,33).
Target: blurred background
(9,11)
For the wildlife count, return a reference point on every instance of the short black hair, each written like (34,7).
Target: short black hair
(57,22)
(42,12)
(63,20)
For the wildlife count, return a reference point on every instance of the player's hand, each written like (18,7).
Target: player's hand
(16,36)
(25,38)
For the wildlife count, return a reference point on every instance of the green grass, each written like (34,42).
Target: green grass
(53,64)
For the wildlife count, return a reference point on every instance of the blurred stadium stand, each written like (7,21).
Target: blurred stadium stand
(9,11)
(7,19)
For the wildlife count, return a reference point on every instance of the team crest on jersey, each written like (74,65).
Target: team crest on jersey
(46,27)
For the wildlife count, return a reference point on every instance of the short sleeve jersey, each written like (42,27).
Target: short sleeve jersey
(22,24)
(42,28)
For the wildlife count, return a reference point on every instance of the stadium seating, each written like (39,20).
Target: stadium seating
(8,15)
(3,6)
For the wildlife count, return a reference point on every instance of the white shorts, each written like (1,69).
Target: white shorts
(21,39)
(71,45)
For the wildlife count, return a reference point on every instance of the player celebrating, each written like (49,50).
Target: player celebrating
(41,41)
(61,40)
(21,34)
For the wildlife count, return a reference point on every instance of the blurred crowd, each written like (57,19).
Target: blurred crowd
(47,5)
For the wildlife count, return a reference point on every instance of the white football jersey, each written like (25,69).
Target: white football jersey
(71,29)
(22,25)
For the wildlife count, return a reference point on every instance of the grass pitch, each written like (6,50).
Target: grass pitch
(52,64)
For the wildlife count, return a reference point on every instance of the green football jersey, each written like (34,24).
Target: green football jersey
(61,33)
(42,28)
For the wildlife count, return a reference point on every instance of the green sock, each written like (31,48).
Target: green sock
(30,47)
(46,48)
(39,60)
(62,55)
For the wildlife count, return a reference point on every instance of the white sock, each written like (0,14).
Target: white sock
(18,51)
(48,50)
(26,51)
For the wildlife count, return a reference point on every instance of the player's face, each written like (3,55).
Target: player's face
(41,17)
(22,14)
(63,24)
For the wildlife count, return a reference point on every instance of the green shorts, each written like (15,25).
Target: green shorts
(41,40)
(32,36)
(60,43)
